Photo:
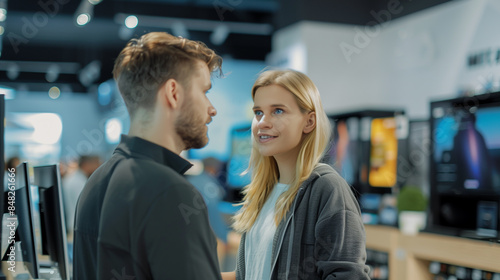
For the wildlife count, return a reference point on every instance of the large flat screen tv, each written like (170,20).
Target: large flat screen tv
(465,162)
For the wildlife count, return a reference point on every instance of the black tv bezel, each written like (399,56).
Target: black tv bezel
(48,180)
(23,187)
(434,223)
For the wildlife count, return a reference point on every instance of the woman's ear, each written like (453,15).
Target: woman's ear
(311,122)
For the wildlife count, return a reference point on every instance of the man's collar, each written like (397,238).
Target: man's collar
(143,148)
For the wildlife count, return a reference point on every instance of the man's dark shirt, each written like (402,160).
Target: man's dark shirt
(138,218)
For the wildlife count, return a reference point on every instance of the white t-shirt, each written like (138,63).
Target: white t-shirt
(259,240)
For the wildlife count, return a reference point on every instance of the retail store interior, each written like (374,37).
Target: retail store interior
(411,89)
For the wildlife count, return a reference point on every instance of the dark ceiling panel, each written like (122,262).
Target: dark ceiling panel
(45,30)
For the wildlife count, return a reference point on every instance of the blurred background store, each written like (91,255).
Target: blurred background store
(398,78)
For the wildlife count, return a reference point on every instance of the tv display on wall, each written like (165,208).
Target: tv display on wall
(465,159)
(364,149)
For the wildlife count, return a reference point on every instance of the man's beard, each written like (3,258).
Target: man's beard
(191,129)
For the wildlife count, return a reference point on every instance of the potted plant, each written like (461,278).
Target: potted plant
(412,207)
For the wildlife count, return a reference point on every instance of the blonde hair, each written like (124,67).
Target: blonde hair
(264,169)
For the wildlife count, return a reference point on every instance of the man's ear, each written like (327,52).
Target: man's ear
(311,122)
(169,93)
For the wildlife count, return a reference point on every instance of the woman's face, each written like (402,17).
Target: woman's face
(278,125)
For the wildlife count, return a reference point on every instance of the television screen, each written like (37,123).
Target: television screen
(467,150)
(465,160)
(383,153)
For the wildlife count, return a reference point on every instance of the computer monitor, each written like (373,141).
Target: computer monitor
(2,156)
(53,225)
(20,211)
(465,160)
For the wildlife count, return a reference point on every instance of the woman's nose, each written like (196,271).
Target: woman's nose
(264,122)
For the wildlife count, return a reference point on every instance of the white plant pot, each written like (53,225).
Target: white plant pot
(411,222)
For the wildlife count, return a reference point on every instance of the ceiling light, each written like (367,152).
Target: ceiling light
(84,13)
(3,14)
(82,19)
(52,73)
(131,22)
(13,71)
(54,92)
(90,73)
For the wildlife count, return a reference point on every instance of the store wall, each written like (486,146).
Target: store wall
(404,63)
(81,132)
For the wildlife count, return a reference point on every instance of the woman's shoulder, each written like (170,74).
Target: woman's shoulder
(326,176)
(329,185)
(326,181)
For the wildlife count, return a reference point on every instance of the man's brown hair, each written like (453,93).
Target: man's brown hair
(145,64)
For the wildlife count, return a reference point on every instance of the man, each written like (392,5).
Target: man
(137,217)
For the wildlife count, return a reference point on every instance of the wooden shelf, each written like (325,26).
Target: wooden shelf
(410,255)
(454,250)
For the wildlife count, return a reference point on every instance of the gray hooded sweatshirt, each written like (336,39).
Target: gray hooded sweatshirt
(322,237)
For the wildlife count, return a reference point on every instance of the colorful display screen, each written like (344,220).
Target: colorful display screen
(343,152)
(383,153)
(466,150)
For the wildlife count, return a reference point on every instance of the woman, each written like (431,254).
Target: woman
(299,218)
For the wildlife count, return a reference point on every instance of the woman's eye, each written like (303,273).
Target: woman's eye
(258,113)
(278,111)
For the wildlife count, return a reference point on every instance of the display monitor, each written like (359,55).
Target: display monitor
(414,167)
(364,149)
(343,151)
(2,156)
(241,148)
(383,153)
(19,244)
(465,161)
(52,220)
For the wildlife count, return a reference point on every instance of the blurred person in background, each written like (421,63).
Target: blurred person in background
(72,185)
(213,193)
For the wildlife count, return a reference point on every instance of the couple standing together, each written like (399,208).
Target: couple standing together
(298,220)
